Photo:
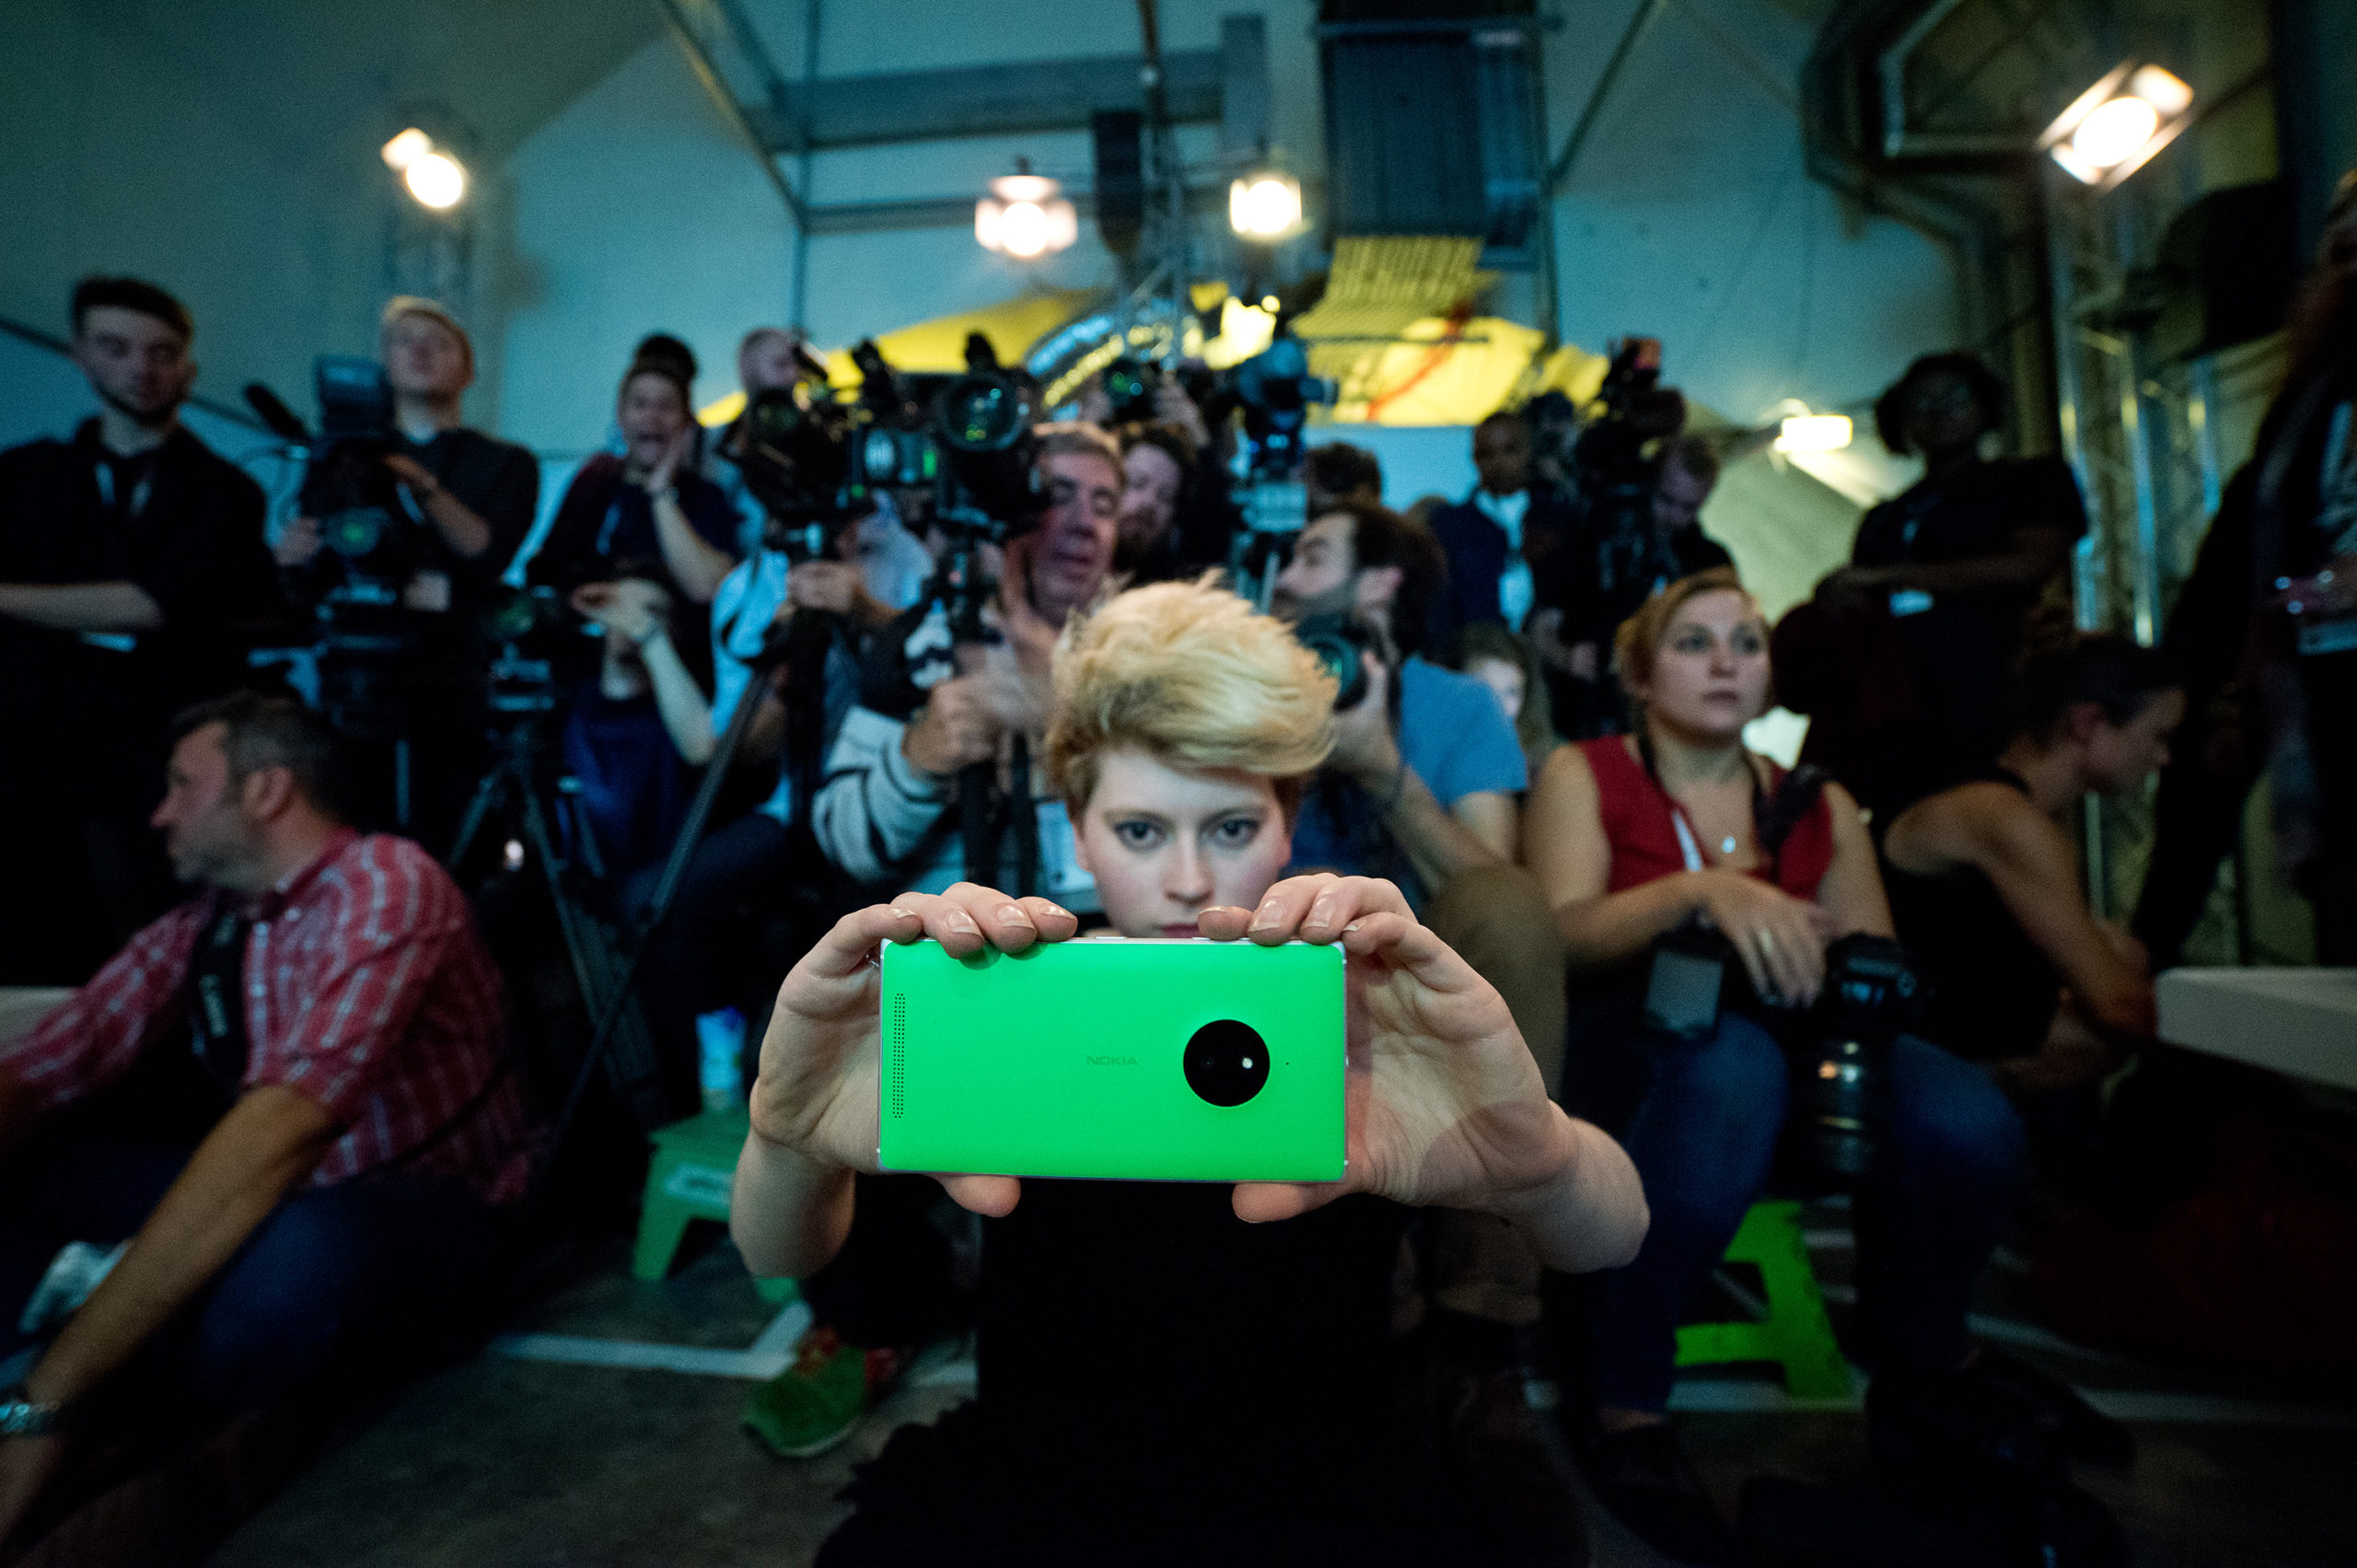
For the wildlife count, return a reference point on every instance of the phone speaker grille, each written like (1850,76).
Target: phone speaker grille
(899,1066)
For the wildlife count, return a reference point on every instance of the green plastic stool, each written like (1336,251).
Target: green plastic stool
(690,1179)
(1797,1334)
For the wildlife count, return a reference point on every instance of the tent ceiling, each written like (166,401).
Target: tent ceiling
(318,81)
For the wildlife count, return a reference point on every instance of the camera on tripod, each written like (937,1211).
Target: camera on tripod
(521,624)
(1274,389)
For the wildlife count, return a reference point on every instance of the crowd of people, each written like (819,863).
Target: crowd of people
(1493,748)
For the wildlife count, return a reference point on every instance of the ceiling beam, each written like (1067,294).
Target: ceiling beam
(1015,97)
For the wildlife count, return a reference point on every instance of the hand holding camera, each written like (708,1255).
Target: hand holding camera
(1365,748)
(1444,1101)
(1779,938)
(957,726)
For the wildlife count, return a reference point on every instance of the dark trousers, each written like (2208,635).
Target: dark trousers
(1704,1138)
(337,1275)
(894,1282)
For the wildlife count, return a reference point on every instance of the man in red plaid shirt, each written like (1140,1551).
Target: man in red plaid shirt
(289,1094)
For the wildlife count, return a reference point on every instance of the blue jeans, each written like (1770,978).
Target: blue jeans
(1702,1139)
(360,1270)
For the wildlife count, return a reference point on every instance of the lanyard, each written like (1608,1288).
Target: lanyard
(139,493)
(1688,847)
(216,974)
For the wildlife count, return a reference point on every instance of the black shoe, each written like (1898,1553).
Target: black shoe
(2087,1435)
(1512,1467)
(1643,1477)
(1960,1450)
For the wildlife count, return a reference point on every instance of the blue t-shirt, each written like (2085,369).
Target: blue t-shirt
(1453,734)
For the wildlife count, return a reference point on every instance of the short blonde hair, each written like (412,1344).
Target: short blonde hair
(1192,675)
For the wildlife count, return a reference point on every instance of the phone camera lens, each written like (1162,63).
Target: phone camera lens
(1227,1062)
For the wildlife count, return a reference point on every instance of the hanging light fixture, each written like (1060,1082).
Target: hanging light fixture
(1025,216)
(434,177)
(2115,127)
(1264,205)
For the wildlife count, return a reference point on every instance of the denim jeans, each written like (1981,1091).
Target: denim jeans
(362,1269)
(1703,1137)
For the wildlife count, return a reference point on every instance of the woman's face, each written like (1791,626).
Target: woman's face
(1710,675)
(651,414)
(1503,680)
(1149,497)
(1166,844)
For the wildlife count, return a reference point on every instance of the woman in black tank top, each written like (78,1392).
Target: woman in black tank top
(1985,885)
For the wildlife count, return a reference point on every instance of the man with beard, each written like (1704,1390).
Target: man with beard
(2265,633)
(128,557)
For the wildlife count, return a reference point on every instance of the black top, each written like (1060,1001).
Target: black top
(1993,991)
(500,482)
(605,521)
(1160,1381)
(1959,650)
(182,523)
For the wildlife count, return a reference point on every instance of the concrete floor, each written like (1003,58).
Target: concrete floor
(537,1465)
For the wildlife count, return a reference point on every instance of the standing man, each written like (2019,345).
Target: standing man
(472,499)
(1502,539)
(131,558)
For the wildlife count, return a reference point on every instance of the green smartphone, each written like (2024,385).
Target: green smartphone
(1171,1061)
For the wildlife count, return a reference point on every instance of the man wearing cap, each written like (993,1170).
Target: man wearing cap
(474,499)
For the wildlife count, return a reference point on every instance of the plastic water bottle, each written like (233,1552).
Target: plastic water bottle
(720,1044)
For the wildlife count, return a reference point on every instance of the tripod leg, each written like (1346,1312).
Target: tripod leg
(630,1054)
(478,812)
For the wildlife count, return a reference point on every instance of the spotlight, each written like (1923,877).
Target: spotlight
(1024,216)
(407,148)
(2116,126)
(1813,433)
(1264,205)
(436,180)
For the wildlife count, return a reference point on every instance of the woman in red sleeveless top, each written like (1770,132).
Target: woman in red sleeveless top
(1635,836)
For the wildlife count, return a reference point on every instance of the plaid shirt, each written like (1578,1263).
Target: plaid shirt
(367,991)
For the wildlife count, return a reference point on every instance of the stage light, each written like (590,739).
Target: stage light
(436,180)
(1264,205)
(407,148)
(2116,126)
(1813,433)
(1024,216)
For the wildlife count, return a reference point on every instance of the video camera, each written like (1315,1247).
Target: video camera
(1131,389)
(1274,389)
(813,463)
(1632,408)
(371,544)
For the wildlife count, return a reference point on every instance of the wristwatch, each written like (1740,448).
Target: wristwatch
(23,1417)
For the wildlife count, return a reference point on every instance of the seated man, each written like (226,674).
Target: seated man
(1422,789)
(1984,877)
(1177,1372)
(322,1013)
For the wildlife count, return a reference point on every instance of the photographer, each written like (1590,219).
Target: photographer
(1422,789)
(1984,876)
(1615,565)
(286,1094)
(1167,534)
(649,505)
(1635,836)
(768,359)
(1901,658)
(633,736)
(472,499)
(131,561)
(1177,1373)
(885,810)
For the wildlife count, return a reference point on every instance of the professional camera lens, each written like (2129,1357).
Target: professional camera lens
(1337,642)
(1227,1062)
(983,413)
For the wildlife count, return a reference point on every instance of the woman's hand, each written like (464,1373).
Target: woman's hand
(1444,1101)
(1780,939)
(815,1091)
